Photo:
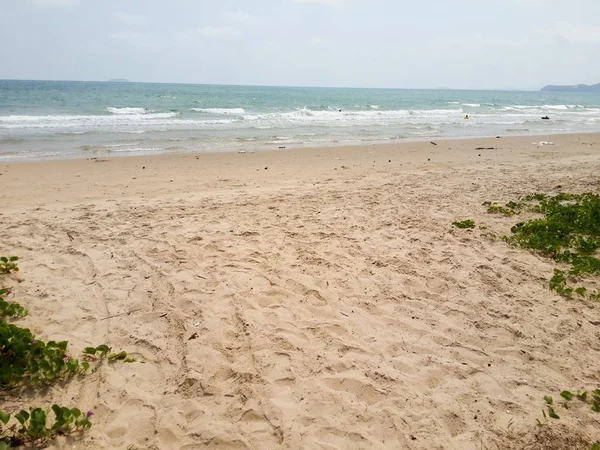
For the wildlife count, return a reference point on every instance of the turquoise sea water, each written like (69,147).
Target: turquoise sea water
(54,119)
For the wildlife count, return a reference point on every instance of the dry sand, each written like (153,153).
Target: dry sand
(306,299)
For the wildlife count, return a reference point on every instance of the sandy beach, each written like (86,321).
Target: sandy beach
(307,299)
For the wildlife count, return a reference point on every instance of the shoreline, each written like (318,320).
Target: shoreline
(288,148)
(163,175)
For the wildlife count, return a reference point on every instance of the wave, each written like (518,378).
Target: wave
(518,107)
(549,107)
(222,111)
(62,122)
(471,105)
(291,122)
(559,107)
(127,110)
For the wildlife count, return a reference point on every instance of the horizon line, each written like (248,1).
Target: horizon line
(125,81)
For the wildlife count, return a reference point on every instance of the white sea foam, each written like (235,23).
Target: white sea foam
(543,107)
(127,110)
(222,111)
(61,122)
(471,105)
(374,106)
(559,107)
(517,107)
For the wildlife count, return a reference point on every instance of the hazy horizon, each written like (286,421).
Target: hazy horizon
(124,80)
(513,45)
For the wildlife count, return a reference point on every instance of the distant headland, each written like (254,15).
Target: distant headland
(118,80)
(574,88)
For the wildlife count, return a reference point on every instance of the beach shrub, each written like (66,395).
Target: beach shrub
(464,224)
(568,233)
(509,209)
(26,360)
(592,401)
(10,309)
(8,264)
(32,427)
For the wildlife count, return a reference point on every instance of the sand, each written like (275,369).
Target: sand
(310,298)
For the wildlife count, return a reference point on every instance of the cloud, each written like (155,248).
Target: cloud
(577,33)
(239,18)
(54,2)
(320,2)
(139,40)
(317,42)
(474,41)
(220,33)
(130,20)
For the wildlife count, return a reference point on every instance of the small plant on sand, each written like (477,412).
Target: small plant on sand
(568,233)
(549,402)
(8,264)
(26,360)
(464,224)
(31,427)
(593,400)
(569,403)
(92,352)
(102,350)
(510,209)
(10,309)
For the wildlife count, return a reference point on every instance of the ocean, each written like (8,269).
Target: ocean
(70,119)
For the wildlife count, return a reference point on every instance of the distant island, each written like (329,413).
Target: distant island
(118,80)
(575,88)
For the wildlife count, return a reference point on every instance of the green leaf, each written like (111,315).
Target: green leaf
(4,259)
(13,258)
(596,446)
(548,399)
(582,395)
(581,291)
(67,415)
(4,417)
(38,416)
(76,412)
(464,224)
(22,417)
(103,349)
(57,411)
(117,356)
(566,395)
(551,413)
(85,366)
(5,446)
(596,406)
(89,351)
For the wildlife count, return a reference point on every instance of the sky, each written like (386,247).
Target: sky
(462,44)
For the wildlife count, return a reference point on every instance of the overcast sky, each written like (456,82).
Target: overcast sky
(487,44)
